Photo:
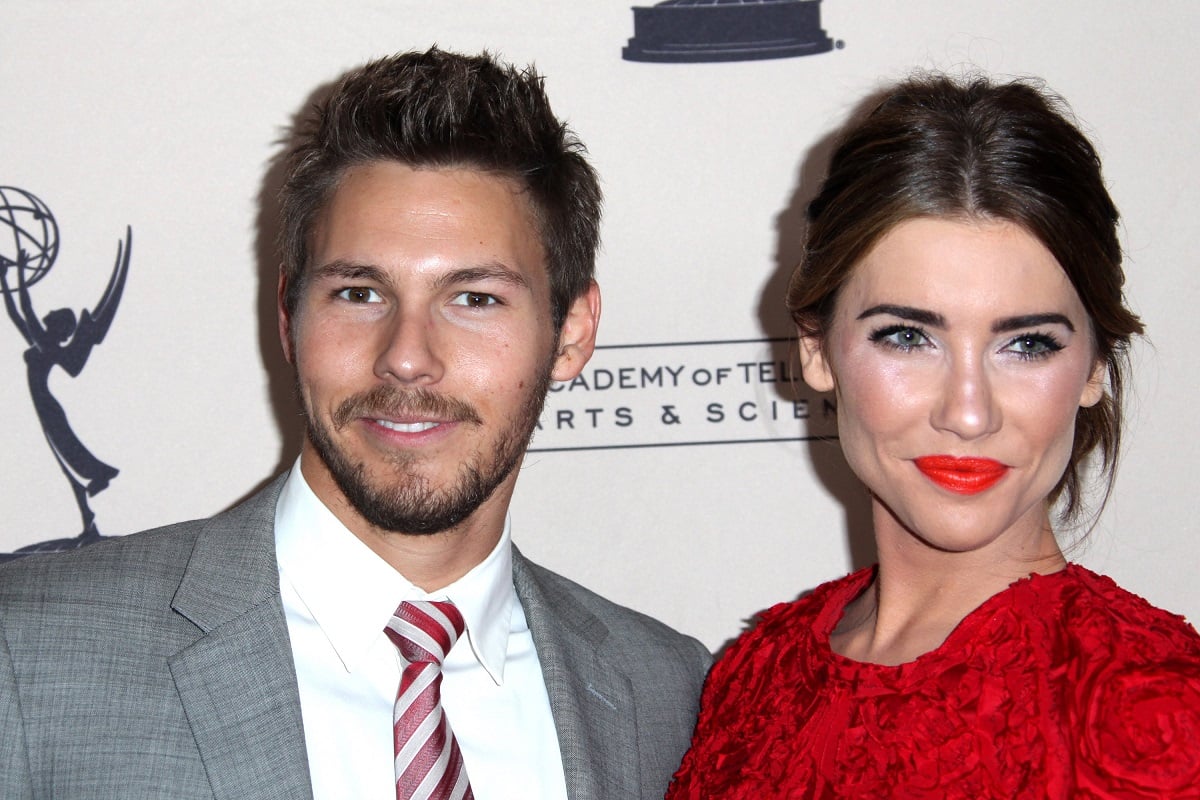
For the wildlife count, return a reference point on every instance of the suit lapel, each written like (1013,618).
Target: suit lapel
(591,698)
(237,682)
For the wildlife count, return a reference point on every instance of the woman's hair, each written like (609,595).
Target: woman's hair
(978,150)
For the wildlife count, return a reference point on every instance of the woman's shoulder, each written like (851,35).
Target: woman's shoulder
(790,632)
(781,647)
(1136,691)
(1097,613)
(818,608)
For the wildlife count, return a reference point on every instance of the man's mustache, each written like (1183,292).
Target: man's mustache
(382,402)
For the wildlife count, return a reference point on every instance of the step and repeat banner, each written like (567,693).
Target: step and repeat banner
(687,471)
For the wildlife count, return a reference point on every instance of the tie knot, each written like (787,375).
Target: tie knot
(425,630)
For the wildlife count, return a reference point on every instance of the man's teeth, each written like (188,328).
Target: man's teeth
(406,427)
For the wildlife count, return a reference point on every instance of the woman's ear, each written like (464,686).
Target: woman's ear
(1093,391)
(817,371)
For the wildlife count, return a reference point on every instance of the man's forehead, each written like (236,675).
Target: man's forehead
(465,218)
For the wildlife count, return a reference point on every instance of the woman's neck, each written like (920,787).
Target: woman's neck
(920,594)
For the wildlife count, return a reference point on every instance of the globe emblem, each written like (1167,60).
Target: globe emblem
(26,224)
(60,341)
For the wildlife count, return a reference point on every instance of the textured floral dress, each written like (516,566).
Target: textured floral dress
(1062,685)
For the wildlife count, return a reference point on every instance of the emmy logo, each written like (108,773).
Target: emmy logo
(727,30)
(58,339)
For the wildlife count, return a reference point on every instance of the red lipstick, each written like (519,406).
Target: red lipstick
(961,475)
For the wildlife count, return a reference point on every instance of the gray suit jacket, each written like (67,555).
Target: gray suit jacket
(158,665)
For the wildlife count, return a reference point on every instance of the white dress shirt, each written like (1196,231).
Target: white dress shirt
(337,597)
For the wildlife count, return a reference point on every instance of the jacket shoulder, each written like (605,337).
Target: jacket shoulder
(123,561)
(131,569)
(617,630)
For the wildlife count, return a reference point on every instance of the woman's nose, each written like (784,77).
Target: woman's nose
(967,405)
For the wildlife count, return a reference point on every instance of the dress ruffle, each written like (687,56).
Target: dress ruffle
(1062,685)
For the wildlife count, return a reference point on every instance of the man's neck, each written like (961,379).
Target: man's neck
(433,561)
(430,561)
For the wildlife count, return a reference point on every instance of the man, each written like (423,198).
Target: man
(440,228)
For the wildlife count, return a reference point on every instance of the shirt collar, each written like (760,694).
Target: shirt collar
(351,592)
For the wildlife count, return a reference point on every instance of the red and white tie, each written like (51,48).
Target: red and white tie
(429,765)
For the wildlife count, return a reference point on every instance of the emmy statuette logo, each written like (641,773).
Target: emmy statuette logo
(28,250)
(676,31)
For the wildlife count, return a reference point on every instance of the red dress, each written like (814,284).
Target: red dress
(1062,685)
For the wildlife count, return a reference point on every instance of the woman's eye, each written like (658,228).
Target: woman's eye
(360,294)
(900,337)
(473,299)
(1033,345)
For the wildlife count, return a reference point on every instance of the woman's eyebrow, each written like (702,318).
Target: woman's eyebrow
(930,318)
(1009,324)
(935,320)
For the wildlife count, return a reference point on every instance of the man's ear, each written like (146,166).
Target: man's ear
(814,365)
(285,319)
(577,338)
(1093,391)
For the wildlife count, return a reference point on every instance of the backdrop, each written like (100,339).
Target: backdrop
(682,474)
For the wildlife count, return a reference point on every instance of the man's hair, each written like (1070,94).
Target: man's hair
(438,109)
(978,150)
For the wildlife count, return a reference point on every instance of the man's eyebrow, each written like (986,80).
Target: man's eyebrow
(340,269)
(1009,324)
(349,270)
(492,271)
(920,315)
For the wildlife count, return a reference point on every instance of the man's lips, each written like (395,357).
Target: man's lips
(961,475)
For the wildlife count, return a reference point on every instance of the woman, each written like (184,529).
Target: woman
(960,293)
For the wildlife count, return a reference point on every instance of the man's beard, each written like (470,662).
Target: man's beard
(403,501)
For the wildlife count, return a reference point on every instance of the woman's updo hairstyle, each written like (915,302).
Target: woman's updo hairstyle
(978,150)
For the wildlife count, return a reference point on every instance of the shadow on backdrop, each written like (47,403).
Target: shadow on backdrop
(281,386)
(825,454)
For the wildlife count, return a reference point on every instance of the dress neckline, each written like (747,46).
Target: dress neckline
(843,592)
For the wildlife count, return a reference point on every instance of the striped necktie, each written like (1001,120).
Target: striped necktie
(429,765)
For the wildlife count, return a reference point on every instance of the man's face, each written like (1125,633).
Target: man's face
(423,346)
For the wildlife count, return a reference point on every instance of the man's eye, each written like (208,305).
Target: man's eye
(360,294)
(474,299)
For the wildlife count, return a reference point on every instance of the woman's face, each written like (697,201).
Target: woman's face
(960,354)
